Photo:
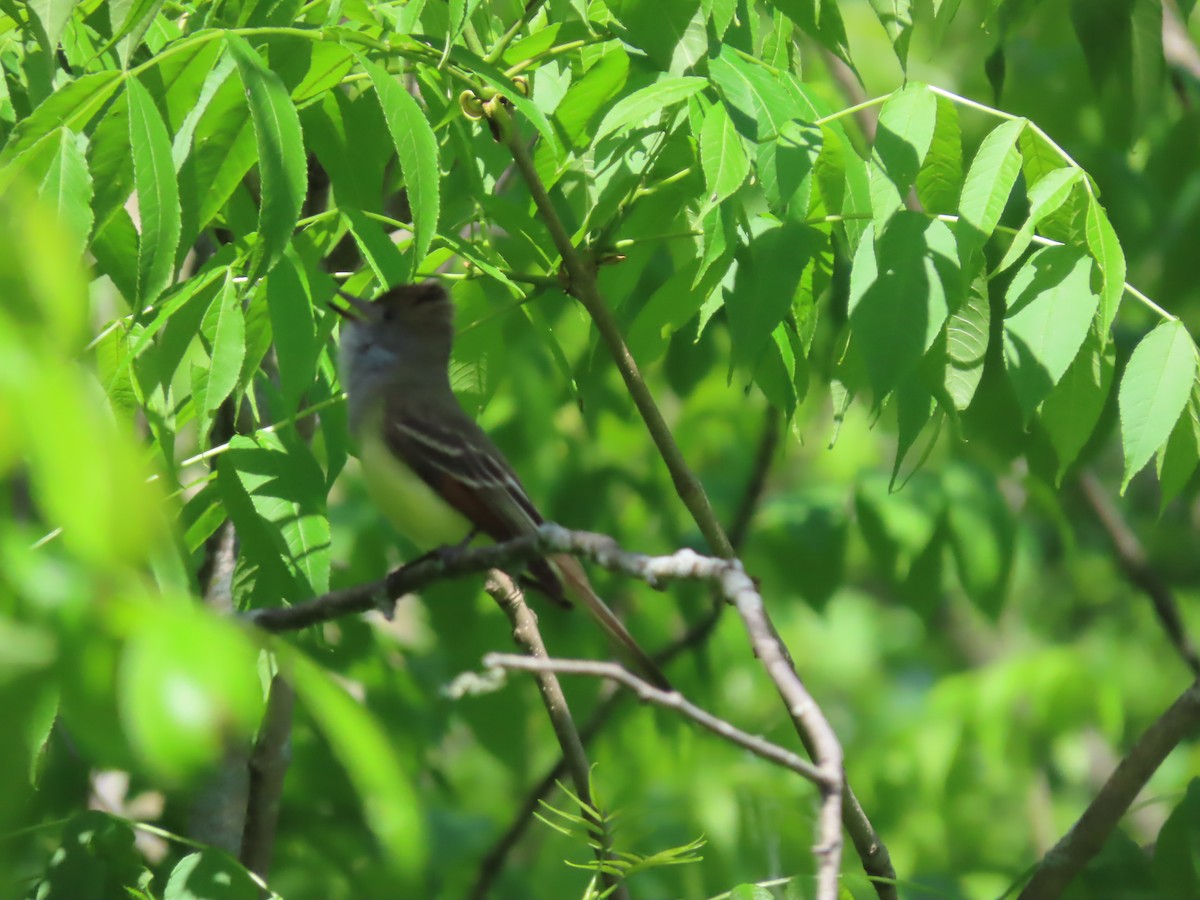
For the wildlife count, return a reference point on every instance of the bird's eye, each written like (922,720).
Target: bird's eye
(389,314)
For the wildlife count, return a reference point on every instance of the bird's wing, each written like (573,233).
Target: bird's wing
(457,459)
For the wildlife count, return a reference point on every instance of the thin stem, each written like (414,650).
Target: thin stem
(497,51)
(851,110)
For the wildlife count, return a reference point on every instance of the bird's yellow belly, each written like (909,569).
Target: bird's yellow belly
(412,506)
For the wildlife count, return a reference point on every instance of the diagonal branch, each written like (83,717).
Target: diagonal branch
(673,700)
(525,632)
(1087,836)
(1131,557)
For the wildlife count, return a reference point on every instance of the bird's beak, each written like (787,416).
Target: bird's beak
(356,310)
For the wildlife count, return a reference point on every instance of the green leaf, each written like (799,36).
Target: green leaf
(225,323)
(157,193)
(1154,391)
(750,892)
(1049,308)
(784,167)
(1071,411)
(902,140)
(72,106)
(758,102)
(768,278)
(967,332)
(939,183)
(368,757)
(187,682)
(210,874)
(416,148)
(67,187)
(281,164)
(1045,197)
(988,183)
(290,304)
(896,18)
(822,20)
(54,15)
(96,858)
(670,32)
(901,290)
(275,495)
(1110,259)
(1180,455)
(982,535)
(1177,850)
(644,103)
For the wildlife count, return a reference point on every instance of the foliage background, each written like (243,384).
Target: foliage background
(971,636)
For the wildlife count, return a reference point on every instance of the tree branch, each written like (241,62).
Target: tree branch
(582,285)
(268,766)
(1131,557)
(1087,836)
(525,632)
(672,700)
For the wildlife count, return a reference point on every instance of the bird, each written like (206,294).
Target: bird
(429,466)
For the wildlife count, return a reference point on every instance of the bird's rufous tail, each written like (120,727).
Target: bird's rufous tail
(579,589)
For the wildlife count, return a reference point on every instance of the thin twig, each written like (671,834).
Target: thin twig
(1131,557)
(696,635)
(525,632)
(1087,836)
(727,575)
(672,700)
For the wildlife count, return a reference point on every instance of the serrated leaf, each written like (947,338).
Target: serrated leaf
(1154,390)
(822,20)
(67,187)
(281,163)
(759,104)
(54,15)
(157,193)
(294,330)
(896,18)
(416,148)
(902,139)
(1106,250)
(670,32)
(901,290)
(72,106)
(1071,411)
(228,339)
(1045,197)
(722,155)
(275,495)
(967,332)
(988,183)
(939,183)
(1180,455)
(646,102)
(768,277)
(1049,308)
(784,166)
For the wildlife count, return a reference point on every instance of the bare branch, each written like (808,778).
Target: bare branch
(1087,836)
(1131,556)
(525,632)
(668,700)
(268,765)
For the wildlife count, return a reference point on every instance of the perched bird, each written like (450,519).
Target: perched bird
(431,469)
